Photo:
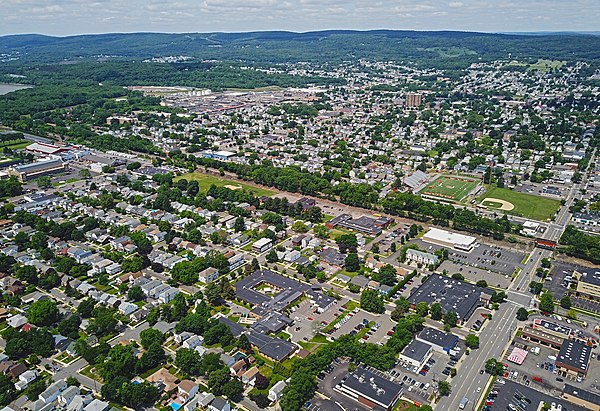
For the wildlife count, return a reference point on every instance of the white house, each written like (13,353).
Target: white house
(275,391)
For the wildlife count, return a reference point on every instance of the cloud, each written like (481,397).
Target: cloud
(63,17)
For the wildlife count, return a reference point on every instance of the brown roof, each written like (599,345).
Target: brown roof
(187,385)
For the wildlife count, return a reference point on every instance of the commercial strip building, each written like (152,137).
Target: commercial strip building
(369,389)
(453,295)
(449,239)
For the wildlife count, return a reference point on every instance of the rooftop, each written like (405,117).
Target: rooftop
(575,355)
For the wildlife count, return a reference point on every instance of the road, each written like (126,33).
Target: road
(496,337)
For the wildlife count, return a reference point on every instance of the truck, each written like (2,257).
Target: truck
(463,403)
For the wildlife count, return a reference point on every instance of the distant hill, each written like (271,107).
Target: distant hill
(447,49)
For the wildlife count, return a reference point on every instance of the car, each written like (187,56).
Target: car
(309,318)
(559,379)
(478,389)
(481,371)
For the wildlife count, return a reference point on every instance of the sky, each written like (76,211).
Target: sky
(70,17)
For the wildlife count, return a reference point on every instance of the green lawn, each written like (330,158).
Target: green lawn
(546,65)
(452,188)
(205,181)
(526,205)
(16,145)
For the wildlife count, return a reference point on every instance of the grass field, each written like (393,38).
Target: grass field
(526,205)
(451,188)
(205,181)
(546,65)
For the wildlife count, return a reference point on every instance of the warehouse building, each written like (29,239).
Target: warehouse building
(370,389)
(30,171)
(451,240)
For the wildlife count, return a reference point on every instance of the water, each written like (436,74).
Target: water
(8,88)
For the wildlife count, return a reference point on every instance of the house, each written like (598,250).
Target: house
(52,392)
(187,389)
(209,275)
(276,390)
(96,405)
(219,404)
(193,342)
(65,397)
(262,245)
(25,379)
(126,308)
(249,376)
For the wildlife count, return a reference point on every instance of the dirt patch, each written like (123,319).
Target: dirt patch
(504,205)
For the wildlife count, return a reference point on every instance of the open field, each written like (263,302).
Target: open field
(205,181)
(546,65)
(526,205)
(453,188)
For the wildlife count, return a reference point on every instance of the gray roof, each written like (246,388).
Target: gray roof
(373,387)
(583,394)
(416,350)
(574,354)
(437,337)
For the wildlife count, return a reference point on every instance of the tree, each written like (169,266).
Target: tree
(386,275)
(85,173)
(565,302)
(44,182)
(72,381)
(42,313)
(299,227)
(444,388)
(7,390)
(436,311)
(347,242)
(535,287)
(494,367)
(150,336)
(69,327)
(239,224)
(451,318)
(352,263)
(188,361)
(422,309)
(482,283)
(320,231)
(271,256)
(135,293)
(472,341)
(371,301)
(217,380)
(546,303)
(86,307)
(522,314)
(212,292)
(233,389)
(243,343)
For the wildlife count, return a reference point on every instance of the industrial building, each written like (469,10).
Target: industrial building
(44,167)
(364,224)
(370,389)
(451,240)
(416,353)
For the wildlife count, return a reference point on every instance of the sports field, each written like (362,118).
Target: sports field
(526,205)
(205,181)
(452,188)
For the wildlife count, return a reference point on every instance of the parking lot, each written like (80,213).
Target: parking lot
(524,398)
(307,322)
(558,286)
(357,321)
(483,256)
(474,274)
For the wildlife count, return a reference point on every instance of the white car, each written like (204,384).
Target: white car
(478,389)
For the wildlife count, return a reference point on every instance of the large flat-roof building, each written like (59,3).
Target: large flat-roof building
(452,294)
(37,169)
(370,389)
(588,281)
(449,239)
(440,341)
(586,399)
(364,224)
(573,358)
